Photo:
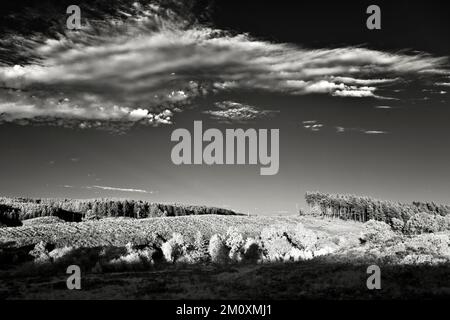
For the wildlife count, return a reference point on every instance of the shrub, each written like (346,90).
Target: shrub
(252,251)
(276,243)
(218,250)
(195,251)
(133,257)
(297,236)
(437,244)
(174,248)
(447,222)
(424,223)
(376,231)
(200,243)
(235,242)
(315,211)
(397,224)
(9,216)
(40,253)
(442,222)
(428,259)
(303,238)
(59,253)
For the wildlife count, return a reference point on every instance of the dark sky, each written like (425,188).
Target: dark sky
(390,144)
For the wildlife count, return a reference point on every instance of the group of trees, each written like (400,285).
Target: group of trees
(9,216)
(350,207)
(76,210)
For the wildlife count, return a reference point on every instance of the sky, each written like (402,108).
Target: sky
(89,113)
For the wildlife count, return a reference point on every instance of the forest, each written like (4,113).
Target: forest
(363,208)
(14,210)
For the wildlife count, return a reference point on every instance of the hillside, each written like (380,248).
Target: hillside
(120,231)
(302,257)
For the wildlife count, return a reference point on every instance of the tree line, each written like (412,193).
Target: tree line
(77,210)
(363,208)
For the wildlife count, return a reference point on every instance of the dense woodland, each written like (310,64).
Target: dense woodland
(13,210)
(365,208)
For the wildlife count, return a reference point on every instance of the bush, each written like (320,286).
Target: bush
(133,258)
(195,251)
(277,245)
(40,253)
(201,243)
(297,235)
(425,223)
(59,253)
(303,238)
(218,250)
(376,231)
(9,216)
(397,224)
(436,244)
(252,251)
(174,248)
(235,242)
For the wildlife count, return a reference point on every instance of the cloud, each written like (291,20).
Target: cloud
(119,189)
(364,82)
(340,129)
(375,132)
(230,111)
(122,72)
(362,92)
(383,107)
(312,125)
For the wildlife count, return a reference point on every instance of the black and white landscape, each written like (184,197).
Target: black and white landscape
(173,149)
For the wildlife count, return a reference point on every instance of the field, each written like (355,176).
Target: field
(120,231)
(114,256)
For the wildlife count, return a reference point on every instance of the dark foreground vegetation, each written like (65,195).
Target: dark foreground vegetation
(275,281)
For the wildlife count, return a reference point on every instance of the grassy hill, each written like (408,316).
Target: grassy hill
(120,231)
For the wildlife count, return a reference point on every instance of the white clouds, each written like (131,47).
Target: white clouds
(340,129)
(383,107)
(119,189)
(312,125)
(133,73)
(237,112)
(355,92)
(374,132)
(364,82)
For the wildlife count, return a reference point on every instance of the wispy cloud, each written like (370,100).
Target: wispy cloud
(141,70)
(119,189)
(383,107)
(444,84)
(375,132)
(340,129)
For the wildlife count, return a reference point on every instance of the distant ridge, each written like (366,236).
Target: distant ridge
(14,210)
